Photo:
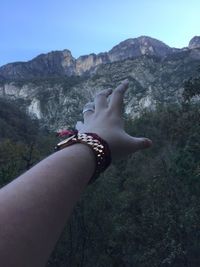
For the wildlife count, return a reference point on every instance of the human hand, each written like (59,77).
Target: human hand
(104,118)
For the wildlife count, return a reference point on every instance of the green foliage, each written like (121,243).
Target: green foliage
(22,142)
(191,88)
(15,123)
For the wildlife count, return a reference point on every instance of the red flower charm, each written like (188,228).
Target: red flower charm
(65,133)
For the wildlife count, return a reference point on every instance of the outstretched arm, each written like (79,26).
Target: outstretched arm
(35,207)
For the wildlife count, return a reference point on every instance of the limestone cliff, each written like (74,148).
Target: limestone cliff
(86,64)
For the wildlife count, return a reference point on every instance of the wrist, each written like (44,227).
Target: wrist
(81,155)
(96,144)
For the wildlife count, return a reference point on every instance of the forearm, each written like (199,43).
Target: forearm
(34,207)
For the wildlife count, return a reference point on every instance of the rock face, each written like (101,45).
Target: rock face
(85,64)
(49,90)
(194,42)
(62,63)
(58,63)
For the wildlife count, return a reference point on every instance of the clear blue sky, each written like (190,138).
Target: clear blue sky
(31,27)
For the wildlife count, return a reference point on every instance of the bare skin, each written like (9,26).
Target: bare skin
(34,208)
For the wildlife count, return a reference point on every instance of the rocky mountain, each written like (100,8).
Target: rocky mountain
(54,87)
(62,63)
(57,63)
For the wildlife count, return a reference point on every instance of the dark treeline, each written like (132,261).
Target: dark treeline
(144,210)
(22,141)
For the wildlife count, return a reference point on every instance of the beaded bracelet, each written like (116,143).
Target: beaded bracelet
(97,144)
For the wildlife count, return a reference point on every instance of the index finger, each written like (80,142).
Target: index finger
(116,100)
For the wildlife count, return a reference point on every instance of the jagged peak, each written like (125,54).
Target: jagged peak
(53,53)
(86,56)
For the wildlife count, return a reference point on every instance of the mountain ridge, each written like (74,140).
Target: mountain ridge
(62,63)
(53,94)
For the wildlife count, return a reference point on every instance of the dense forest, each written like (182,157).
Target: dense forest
(144,210)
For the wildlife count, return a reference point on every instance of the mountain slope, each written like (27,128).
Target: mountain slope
(52,93)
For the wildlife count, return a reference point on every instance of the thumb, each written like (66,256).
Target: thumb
(138,143)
